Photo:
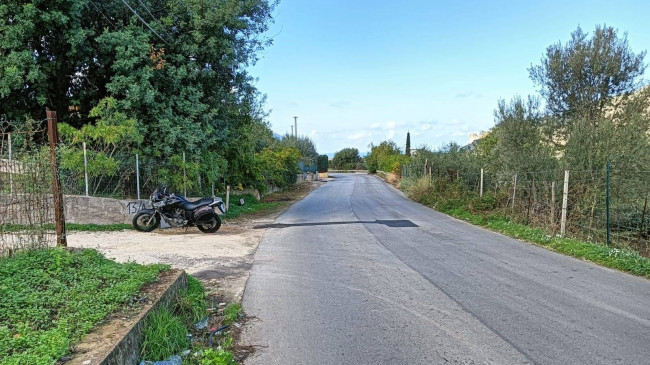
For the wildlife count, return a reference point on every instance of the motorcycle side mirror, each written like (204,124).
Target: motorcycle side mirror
(241,202)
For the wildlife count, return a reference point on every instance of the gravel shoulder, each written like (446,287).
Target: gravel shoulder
(222,261)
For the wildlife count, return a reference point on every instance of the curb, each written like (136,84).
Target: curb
(124,337)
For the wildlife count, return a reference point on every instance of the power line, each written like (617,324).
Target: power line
(147,9)
(100,10)
(144,22)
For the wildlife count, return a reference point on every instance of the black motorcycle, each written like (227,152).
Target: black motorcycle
(176,211)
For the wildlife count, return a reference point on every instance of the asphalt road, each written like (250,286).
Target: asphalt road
(357,274)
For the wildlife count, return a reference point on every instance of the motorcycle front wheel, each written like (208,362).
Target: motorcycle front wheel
(144,222)
(209,223)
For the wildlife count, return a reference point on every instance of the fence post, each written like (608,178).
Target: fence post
(607,203)
(514,191)
(59,219)
(481,193)
(184,177)
(137,174)
(85,167)
(227,198)
(645,208)
(11,170)
(213,189)
(565,202)
(552,203)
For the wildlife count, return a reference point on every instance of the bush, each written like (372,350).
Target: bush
(487,202)
(323,163)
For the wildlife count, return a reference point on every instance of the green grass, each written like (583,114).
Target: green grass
(165,335)
(251,205)
(232,313)
(165,331)
(191,303)
(51,298)
(70,227)
(623,259)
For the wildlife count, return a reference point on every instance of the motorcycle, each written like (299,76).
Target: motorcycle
(176,211)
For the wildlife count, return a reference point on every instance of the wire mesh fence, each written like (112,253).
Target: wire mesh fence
(600,207)
(26,202)
(136,177)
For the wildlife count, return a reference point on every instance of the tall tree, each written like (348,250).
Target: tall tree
(587,75)
(408,144)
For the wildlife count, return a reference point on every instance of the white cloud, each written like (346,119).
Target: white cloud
(356,136)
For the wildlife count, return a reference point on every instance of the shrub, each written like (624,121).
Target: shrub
(323,163)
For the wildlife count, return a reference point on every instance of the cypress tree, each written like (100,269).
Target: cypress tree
(408,143)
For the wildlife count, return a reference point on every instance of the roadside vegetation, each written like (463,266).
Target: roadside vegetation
(166,331)
(589,127)
(482,211)
(52,297)
(173,88)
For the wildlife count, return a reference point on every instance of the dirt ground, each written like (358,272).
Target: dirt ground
(222,261)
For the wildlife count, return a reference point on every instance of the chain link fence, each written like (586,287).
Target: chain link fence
(601,206)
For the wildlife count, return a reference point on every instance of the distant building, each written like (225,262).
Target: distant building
(472,142)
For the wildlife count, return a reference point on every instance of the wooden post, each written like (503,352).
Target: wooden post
(565,202)
(514,191)
(481,193)
(645,207)
(227,198)
(552,203)
(59,219)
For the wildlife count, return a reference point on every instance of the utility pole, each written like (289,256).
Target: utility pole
(295,122)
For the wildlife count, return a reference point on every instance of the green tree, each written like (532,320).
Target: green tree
(385,157)
(408,144)
(519,146)
(587,75)
(346,159)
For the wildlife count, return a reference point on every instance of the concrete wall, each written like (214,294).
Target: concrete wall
(77,209)
(90,210)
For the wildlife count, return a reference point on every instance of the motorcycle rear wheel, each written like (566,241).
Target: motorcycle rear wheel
(209,223)
(140,222)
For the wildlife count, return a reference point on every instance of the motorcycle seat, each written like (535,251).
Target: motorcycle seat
(192,205)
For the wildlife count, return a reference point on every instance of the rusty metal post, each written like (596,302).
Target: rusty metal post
(59,219)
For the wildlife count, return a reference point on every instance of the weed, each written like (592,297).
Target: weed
(165,335)
(217,357)
(232,313)
(190,306)
(52,297)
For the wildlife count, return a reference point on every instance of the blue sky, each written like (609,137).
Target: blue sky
(362,71)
